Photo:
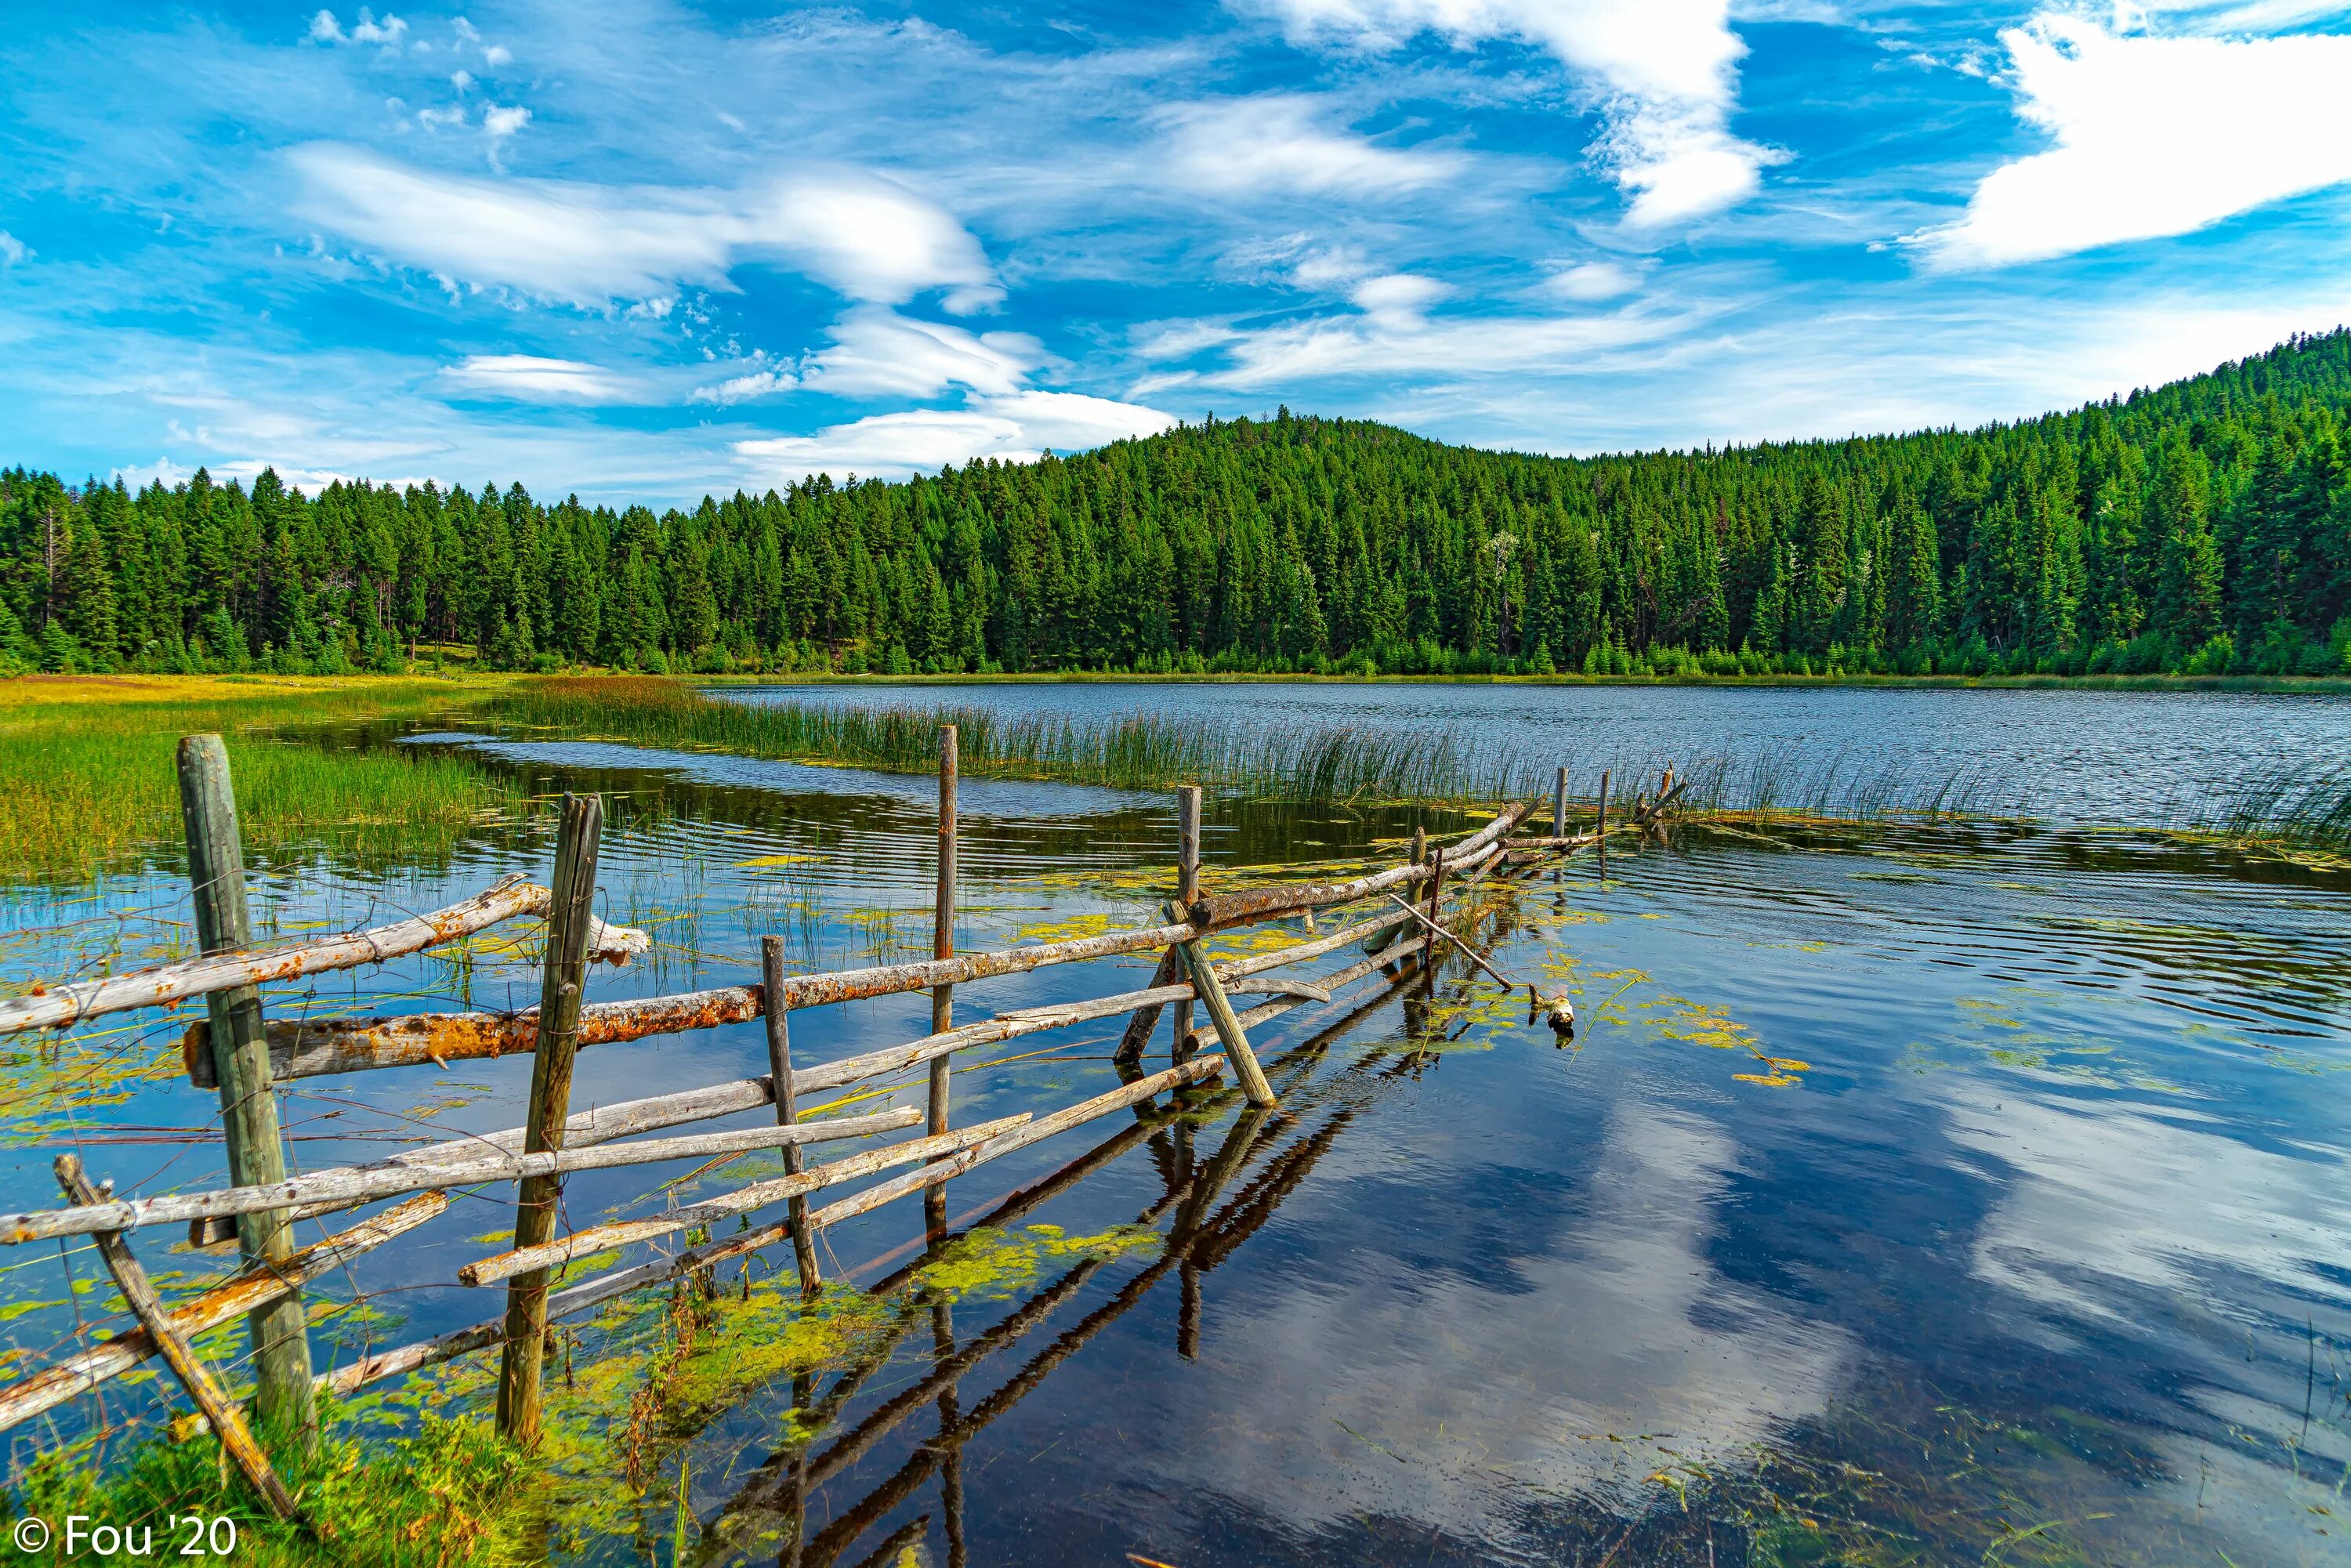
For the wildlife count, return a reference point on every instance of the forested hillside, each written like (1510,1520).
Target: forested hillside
(2204,527)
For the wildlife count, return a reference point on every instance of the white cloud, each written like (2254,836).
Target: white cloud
(2155,136)
(1397,298)
(461,80)
(1391,338)
(498,55)
(1593,280)
(746,387)
(1279,142)
(324,29)
(589,244)
(1664,72)
(1326,269)
(527,378)
(879,353)
(1014,429)
(12,249)
(500,122)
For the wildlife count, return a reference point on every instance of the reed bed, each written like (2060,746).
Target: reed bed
(1311,766)
(1136,752)
(87,772)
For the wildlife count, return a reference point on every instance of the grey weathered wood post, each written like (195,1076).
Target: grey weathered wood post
(780,1063)
(1187,890)
(1212,996)
(935,1199)
(1602,828)
(1559,805)
(562,981)
(283,1400)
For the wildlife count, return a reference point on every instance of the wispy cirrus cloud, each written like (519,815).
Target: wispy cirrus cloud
(2153,135)
(593,245)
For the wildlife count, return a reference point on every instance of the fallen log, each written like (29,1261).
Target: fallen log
(83,1370)
(348,1185)
(56,1006)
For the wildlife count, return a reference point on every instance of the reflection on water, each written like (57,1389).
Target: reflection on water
(1915,1198)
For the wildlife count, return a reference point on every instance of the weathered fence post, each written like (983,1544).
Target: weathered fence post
(1428,954)
(1171,963)
(1603,827)
(562,980)
(283,1399)
(1187,889)
(1559,804)
(780,1063)
(934,1199)
(1220,1010)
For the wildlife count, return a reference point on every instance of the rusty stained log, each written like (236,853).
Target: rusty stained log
(256,1287)
(310,1048)
(56,1006)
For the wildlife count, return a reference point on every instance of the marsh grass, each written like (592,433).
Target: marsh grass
(88,778)
(1319,766)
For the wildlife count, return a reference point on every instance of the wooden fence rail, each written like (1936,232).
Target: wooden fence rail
(558,1141)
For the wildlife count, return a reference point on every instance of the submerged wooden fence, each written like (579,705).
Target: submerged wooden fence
(242,1056)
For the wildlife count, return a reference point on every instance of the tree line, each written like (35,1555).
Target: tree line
(2203,528)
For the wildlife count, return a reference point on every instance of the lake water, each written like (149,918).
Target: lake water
(1930,1196)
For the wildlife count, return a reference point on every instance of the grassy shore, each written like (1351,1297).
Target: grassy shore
(88,777)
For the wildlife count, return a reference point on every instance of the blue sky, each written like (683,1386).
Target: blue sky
(644,250)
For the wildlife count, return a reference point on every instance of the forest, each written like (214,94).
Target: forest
(2202,527)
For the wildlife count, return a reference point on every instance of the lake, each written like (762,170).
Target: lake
(1950,1194)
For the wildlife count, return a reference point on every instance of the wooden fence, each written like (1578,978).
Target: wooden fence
(241,1055)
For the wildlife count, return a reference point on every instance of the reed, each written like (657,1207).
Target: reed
(87,771)
(1134,752)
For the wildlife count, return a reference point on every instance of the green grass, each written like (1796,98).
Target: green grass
(88,780)
(453,1493)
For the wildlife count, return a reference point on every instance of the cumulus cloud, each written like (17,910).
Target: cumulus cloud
(1397,298)
(324,29)
(590,244)
(1663,72)
(1284,142)
(746,387)
(500,121)
(2153,135)
(1015,428)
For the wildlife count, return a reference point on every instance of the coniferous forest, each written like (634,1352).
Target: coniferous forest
(2203,528)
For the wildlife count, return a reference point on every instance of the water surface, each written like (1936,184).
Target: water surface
(1930,1197)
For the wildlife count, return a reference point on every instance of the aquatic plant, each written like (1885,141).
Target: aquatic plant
(87,779)
(1136,751)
